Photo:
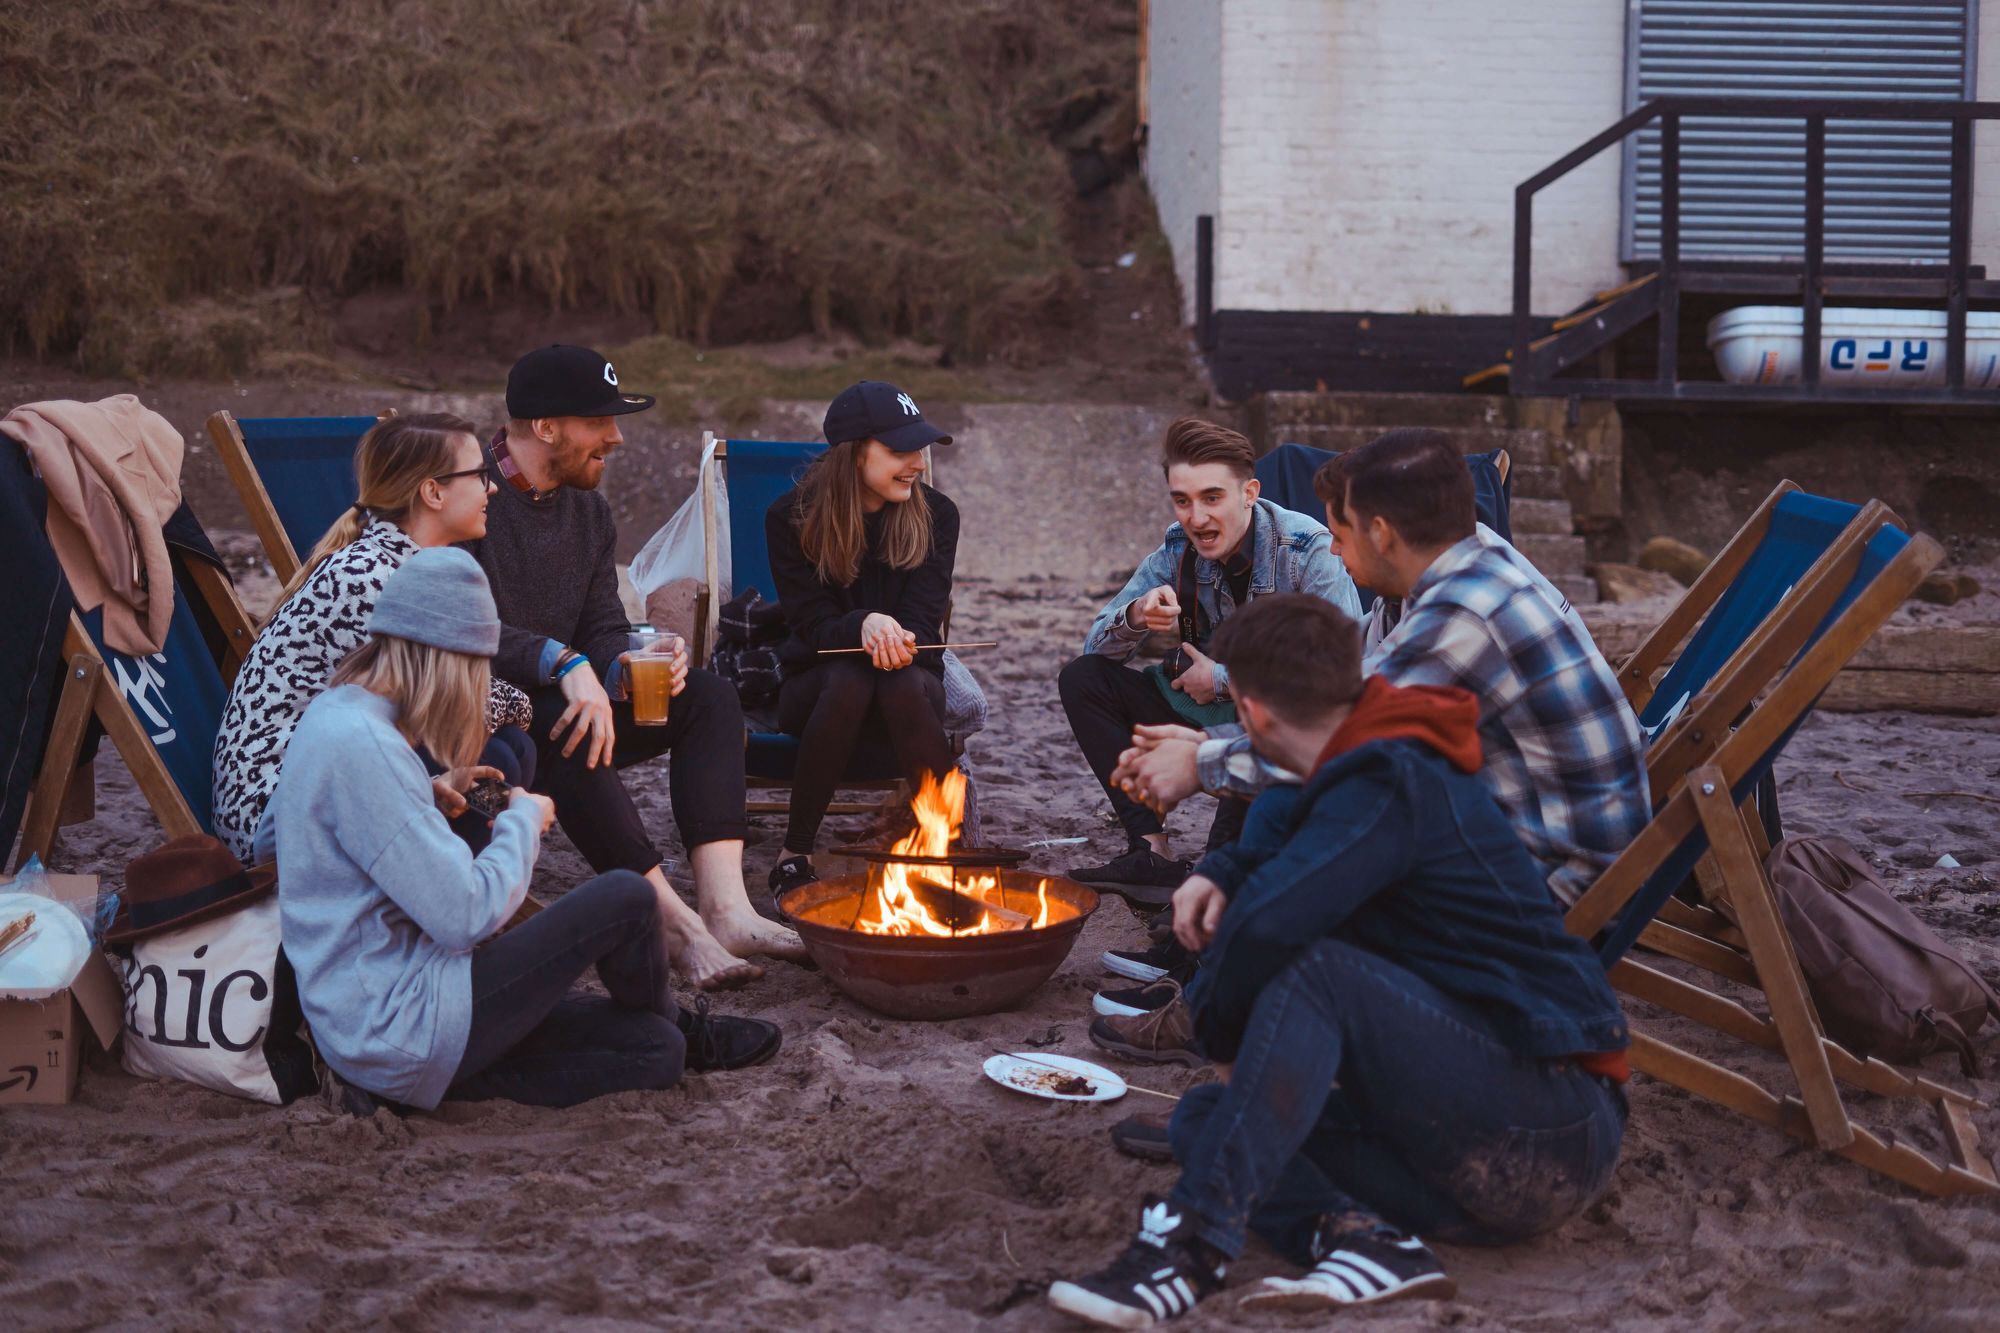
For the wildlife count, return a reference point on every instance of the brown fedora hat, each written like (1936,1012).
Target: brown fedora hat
(190,879)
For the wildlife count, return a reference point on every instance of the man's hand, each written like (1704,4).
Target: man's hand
(1198,681)
(1198,908)
(1161,777)
(588,717)
(1158,610)
(448,789)
(541,805)
(889,645)
(1146,738)
(677,659)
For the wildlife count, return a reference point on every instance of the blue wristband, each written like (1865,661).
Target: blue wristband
(569,666)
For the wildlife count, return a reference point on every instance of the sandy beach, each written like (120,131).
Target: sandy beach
(869,1177)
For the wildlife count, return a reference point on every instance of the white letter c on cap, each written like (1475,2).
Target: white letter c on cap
(610,375)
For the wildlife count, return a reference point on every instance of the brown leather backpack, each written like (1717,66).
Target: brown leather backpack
(1885,985)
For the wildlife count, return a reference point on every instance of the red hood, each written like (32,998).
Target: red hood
(1441,716)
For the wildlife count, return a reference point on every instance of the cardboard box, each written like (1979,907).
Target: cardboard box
(41,1041)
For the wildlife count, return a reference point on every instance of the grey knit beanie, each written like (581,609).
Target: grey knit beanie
(440,597)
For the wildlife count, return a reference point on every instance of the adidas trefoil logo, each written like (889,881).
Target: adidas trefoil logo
(1156,1224)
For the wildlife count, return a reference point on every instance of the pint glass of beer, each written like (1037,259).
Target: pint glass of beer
(649,669)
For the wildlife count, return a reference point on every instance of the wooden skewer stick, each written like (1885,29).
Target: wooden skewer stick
(1065,1069)
(915,648)
(15,931)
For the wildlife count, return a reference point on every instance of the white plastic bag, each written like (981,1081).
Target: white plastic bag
(675,551)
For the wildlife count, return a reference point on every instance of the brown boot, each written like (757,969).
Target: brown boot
(1165,1036)
(1143,1134)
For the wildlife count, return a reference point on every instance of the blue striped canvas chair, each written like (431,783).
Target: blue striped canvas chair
(161,711)
(1721,743)
(294,474)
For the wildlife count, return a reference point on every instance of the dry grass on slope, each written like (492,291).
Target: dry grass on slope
(887,160)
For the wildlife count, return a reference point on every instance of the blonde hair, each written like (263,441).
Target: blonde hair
(440,696)
(830,519)
(395,457)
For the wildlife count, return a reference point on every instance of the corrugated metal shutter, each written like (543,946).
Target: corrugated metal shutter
(1743,181)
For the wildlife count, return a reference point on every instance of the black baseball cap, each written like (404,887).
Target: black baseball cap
(875,409)
(565,381)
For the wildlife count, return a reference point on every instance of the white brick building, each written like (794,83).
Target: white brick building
(1361,156)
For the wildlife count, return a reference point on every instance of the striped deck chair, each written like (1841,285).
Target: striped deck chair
(161,711)
(1713,753)
(295,475)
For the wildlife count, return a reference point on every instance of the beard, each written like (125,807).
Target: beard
(573,465)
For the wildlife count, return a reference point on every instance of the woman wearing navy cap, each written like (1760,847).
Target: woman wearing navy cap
(861,553)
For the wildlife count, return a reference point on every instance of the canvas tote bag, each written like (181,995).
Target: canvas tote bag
(215,1003)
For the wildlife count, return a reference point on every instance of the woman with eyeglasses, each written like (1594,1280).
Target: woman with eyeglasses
(424,483)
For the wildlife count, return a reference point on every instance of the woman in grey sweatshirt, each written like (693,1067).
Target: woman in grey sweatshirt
(393,924)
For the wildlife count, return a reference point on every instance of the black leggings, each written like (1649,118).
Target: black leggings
(831,708)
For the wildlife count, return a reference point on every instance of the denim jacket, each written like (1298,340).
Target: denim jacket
(1289,553)
(1391,849)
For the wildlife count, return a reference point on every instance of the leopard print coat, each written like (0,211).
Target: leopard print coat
(290,663)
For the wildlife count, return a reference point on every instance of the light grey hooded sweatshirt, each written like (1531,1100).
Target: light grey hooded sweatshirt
(380,902)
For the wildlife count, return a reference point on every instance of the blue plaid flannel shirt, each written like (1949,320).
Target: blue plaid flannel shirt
(1564,756)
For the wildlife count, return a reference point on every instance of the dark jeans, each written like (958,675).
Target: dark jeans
(1104,700)
(833,707)
(534,1041)
(705,733)
(1362,1091)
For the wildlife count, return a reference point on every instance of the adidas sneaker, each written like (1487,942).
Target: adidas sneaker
(1165,1272)
(1358,1270)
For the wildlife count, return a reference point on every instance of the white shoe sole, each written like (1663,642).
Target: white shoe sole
(1125,967)
(1299,1294)
(1110,1008)
(1082,1303)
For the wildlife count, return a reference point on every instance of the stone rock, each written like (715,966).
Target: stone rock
(1941,588)
(1629,583)
(1671,556)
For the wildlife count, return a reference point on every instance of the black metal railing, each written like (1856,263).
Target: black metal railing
(1952,280)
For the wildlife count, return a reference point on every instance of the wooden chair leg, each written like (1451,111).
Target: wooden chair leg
(59,757)
(149,771)
(1784,986)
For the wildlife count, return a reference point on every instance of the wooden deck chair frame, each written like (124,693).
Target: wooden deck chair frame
(708,623)
(87,692)
(228,439)
(1720,744)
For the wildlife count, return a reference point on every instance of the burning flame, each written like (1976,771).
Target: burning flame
(898,903)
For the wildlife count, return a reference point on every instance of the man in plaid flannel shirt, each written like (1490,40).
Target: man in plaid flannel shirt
(1565,758)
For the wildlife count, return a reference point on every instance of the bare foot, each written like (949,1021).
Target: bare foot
(745,933)
(706,965)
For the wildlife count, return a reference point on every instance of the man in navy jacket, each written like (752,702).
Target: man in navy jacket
(1412,1041)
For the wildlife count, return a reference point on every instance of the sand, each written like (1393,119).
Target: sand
(870,1178)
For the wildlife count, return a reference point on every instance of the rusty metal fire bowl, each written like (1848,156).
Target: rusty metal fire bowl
(938,976)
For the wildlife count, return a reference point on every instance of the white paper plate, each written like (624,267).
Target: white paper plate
(1034,1075)
(53,955)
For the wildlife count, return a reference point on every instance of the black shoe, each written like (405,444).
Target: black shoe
(1143,1135)
(1164,1272)
(1163,959)
(1132,1000)
(1357,1270)
(723,1041)
(1141,874)
(345,1098)
(789,874)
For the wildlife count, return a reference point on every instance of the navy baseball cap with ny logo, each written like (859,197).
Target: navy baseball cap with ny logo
(873,409)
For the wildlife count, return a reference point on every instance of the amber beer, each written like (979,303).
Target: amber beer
(650,670)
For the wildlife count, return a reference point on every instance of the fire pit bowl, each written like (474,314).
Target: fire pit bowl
(938,976)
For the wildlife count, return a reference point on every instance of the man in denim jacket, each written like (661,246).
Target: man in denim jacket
(1226,549)
(1412,1041)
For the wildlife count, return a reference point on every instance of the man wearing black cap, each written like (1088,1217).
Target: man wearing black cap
(549,554)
